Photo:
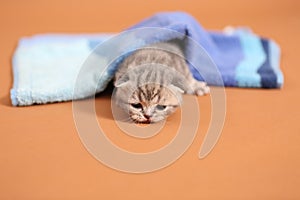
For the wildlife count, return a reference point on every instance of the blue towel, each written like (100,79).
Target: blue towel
(46,66)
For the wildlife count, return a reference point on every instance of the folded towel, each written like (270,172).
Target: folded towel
(46,67)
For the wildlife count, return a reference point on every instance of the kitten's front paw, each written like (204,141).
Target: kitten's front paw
(200,88)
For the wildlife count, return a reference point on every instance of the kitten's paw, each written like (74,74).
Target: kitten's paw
(200,88)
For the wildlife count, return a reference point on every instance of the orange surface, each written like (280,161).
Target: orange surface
(257,156)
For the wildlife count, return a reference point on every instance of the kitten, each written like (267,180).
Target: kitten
(150,82)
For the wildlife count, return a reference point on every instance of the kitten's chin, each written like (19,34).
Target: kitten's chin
(146,121)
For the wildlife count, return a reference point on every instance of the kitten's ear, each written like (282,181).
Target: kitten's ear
(175,88)
(179,84)
(122,81)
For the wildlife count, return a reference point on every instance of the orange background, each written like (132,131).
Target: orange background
(257,156)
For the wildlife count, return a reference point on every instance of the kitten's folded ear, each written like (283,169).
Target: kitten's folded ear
(175,88)
(122,81)
(179,84)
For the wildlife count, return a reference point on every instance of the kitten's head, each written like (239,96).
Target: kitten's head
(149,94)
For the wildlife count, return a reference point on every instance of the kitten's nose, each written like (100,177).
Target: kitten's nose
(147,116)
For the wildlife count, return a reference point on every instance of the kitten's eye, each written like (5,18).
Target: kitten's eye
(161,107)
(137,105)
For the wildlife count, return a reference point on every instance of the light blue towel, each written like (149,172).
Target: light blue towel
(46,66)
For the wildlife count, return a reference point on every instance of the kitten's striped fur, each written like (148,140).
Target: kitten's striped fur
(150,82)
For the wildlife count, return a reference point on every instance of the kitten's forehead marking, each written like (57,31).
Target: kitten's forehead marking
(150,93)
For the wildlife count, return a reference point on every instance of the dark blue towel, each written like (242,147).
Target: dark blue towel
(243,58)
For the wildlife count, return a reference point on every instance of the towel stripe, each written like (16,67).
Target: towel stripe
(274,51)
(268,77)
(246,72)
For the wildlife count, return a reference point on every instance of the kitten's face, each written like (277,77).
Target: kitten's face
(148,103)
(151,103)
